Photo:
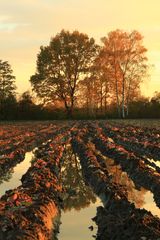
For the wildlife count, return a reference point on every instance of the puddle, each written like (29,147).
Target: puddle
(157,163)
(12,179)
(80,203)
(150,205)
(5,176)
(142,198)
(75,224)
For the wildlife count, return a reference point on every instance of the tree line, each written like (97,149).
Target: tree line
(77,78)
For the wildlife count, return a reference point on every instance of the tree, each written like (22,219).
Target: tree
(27,109)
(102,84)
(7,85)
(124,57)
(7,80)
(155,105)
(156,97)
(26,98)
(94,90)
(87,97)
(61,65)
(8,108)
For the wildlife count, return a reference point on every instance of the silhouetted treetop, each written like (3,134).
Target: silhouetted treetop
(60,65)
(7,80)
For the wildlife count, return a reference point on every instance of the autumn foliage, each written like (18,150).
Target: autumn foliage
(77,78)
(80,73)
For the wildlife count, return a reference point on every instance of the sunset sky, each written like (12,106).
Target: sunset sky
(25,25)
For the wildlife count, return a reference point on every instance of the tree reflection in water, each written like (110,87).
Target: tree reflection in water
(121,178)
(5,176)
(77,194)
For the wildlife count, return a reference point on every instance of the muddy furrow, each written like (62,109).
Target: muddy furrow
(27,211)
(27,139)
(9,161)
(118,219)
(133,165)
(132,143)
(141,133)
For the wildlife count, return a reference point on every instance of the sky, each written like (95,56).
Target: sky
(25,25)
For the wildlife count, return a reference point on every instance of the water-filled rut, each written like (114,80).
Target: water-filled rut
(74,189)
(13,179)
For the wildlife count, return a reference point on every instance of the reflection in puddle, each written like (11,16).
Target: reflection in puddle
(121,178)
(75,224)
(79,201)
(12,179)
(4,177)
(141,198)
(77,194)
(156,163)
(150,205)
(80,197)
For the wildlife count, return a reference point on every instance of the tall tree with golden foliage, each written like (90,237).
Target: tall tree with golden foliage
(123,55)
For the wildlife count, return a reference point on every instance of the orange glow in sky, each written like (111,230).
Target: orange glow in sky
(28,24)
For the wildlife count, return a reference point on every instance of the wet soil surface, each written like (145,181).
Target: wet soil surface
(75,166)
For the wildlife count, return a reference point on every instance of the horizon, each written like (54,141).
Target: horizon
(24,30)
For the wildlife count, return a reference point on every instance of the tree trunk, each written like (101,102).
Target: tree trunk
(117,102)
(123,111)
(105,104)
(123,99)
(101,99)
(70,112)
(128,97)
(127,110)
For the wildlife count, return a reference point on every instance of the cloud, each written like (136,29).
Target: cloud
(10,26)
